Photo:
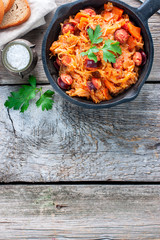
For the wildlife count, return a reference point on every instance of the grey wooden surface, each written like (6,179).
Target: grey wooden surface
(73,144)
(80,212)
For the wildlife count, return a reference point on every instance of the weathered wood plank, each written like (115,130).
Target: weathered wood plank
(69,143)
(80,212)
(36,36)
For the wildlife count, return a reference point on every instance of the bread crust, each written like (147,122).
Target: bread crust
(1,11)
(20,21)
(9,5)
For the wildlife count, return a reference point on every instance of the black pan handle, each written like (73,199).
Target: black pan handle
(148,8)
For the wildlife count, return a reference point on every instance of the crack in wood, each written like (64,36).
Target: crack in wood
(14,130)
(60,206)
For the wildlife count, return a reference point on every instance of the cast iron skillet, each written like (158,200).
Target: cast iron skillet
(139,15)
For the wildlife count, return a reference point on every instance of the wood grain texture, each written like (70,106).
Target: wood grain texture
(36,36)
(69,143)
(80,212)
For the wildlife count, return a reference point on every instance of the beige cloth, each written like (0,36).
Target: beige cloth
(39,8)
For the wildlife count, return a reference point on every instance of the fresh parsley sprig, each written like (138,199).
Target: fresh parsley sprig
(111,49)
(94,36)
(21,98)
(46,101)
(90,53)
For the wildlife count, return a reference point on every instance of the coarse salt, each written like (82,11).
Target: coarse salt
(18,56)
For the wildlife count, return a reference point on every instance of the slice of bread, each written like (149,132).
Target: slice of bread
(19,13)
(1,10)
(7,5)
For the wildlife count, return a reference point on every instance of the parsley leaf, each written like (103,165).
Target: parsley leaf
(93,57)
(113,46)
(95,36)
(46,100)
(90,33)
(21,98)
(109,48)
(108,56)
(91,54)
(32,81)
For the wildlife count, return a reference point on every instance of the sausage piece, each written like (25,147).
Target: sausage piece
(144,58)
(118,64)
(68,27)
(91,64)
(137,58)
(62,84)
(121,36)
(91,86)
(66,60)
(97,83)
(89,11)
(66,78)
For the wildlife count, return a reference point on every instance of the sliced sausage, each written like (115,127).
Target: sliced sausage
(121,36)
(137,58)
(144,58)
(91,86)
(68,27)
(62,84)
(89,11)
(91,63)
(97,83)
(66,78)
(66,60)
(118,64)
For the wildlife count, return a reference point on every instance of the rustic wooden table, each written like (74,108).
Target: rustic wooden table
(73,147)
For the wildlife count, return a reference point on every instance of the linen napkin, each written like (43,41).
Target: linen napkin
(144,1)
(39,8)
